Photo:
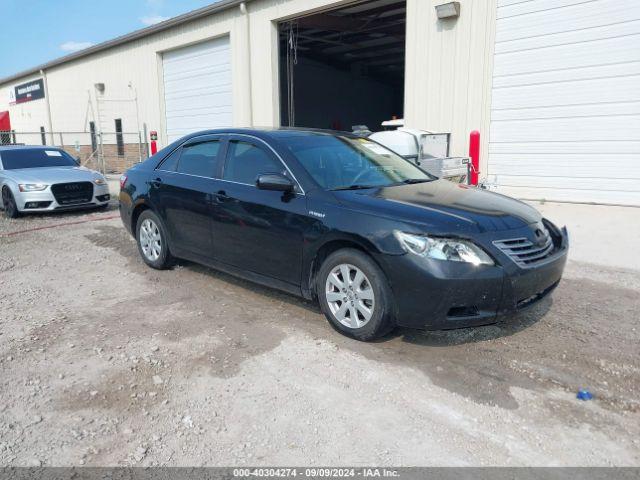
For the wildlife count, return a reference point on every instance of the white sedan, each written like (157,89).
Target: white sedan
(42,179)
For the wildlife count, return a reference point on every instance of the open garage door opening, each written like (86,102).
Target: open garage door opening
(343,67)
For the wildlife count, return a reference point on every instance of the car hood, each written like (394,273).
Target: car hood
(51,175)
(443,206)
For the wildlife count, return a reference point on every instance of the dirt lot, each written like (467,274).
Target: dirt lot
(104,361)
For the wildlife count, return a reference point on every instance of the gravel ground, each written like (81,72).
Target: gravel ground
(104,361)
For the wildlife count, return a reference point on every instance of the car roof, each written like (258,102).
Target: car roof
(273,132)
(28,147)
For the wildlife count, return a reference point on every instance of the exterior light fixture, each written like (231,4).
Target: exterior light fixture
(448,10)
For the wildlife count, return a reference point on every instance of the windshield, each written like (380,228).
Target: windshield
(35,158)
(339,162)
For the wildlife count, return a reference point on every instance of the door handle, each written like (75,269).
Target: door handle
(156,182)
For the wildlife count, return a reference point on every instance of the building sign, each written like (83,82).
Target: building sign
(26,92)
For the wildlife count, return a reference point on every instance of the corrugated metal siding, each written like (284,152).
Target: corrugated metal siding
(448,80)
(565,112)
(197,88)
(448,72)
(75,101)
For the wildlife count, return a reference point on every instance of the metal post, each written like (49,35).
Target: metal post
(48,102)
(139,147)
(137,110)
(101,160)
(101,154)
(145,136)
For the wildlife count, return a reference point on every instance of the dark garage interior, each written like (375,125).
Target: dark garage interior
(343,67)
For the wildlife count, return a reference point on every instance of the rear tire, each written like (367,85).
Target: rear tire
(9,204)
(151,236)
(354,295)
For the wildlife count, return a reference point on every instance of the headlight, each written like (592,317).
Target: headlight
(100,181)
(451,249)
(32,187)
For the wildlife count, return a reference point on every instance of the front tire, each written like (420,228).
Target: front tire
(151,236)
(354,295)
(9,204)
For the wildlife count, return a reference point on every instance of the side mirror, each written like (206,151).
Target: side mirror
(275,182)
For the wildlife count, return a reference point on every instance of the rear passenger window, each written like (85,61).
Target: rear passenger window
(246,161)
(200,159)
(170,163)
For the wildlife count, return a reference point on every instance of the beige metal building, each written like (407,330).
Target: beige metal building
(552,85)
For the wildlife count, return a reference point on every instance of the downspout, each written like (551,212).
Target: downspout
(46,96)
(247,24)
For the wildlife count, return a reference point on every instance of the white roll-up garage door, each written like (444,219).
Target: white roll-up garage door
(565,108)
(197,87)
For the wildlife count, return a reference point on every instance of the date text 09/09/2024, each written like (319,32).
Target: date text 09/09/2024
(363,472)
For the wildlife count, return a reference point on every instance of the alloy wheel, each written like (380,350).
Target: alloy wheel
(350,296)
(8,202)
(150,240)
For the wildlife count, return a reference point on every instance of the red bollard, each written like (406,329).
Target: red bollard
(154,146)
(474,154)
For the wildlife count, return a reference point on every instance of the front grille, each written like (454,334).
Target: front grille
(72,193)
(524,252)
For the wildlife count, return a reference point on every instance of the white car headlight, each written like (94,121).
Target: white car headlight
(32,187)
(100,181)
(452,249)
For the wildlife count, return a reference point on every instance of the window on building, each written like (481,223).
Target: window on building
(94,140)
(119,137)
(246,161)
(43,137)
(200,159)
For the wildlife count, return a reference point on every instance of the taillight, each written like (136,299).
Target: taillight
(123,181)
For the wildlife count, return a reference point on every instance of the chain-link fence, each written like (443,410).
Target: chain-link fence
(107,152)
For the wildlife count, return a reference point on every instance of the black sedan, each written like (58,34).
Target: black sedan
(341,219)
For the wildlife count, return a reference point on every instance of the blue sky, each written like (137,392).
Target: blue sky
(36,31)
